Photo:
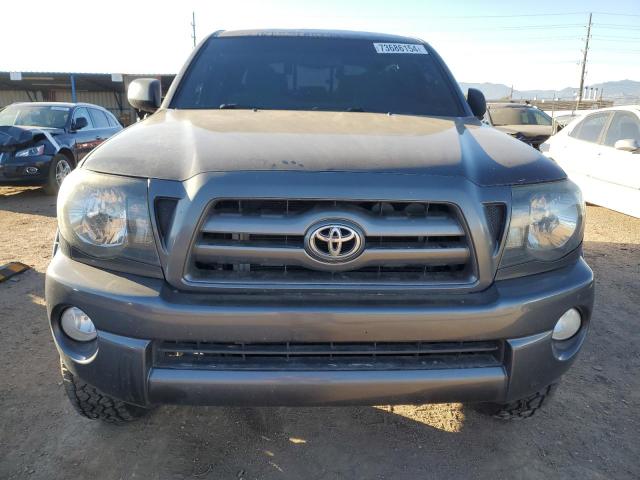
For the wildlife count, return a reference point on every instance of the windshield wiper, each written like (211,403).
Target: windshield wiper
(329,109)
(235,106)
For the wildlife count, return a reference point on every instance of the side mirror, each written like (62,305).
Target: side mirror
(627,145)
(79,123)
(145,94)
(477,102)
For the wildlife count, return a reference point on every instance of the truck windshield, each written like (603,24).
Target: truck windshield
(35,116)
(311,73)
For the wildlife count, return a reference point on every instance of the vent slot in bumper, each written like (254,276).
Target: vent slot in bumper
(327,356)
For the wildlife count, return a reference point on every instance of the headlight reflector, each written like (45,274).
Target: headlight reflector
(547,222)
(100,217)
(568,325)
(30,152)
(106,216)
(77,325)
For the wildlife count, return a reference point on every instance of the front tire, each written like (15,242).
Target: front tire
(95,405)
(61,166)
(519,409)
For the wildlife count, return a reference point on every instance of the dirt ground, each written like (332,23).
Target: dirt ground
(589,431)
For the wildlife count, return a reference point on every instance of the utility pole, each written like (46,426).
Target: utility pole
(584,62)
(193,28)
(600,101)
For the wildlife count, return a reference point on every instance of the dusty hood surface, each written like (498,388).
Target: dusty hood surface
(178,144)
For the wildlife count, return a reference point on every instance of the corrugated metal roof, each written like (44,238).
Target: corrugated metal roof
(92,82)
(44,72)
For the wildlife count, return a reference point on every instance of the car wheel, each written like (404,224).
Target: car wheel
(61,166)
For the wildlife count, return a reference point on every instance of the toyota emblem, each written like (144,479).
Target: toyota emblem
(334,242)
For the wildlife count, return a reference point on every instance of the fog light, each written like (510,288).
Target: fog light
(77,325)
(31,170)
(568,325)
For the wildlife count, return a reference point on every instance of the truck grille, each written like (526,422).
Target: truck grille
(327,356)
(262,242)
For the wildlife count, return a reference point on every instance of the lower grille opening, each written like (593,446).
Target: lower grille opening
(327,356)
(293,273)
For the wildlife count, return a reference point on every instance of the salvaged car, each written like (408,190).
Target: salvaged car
(40,143)
(600,152)
(315,218)
(522,121)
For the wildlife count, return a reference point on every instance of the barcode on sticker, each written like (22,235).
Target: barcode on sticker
(411,48)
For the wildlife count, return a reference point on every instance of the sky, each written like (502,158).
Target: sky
(530,45)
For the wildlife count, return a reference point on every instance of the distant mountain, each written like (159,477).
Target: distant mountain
(620,90)
(492,91)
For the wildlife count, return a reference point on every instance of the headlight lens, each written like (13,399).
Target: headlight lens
(106,216)
(547,222)
(30,152)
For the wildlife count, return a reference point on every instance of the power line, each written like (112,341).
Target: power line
(518,38)
(616,39)
(616,26)
(618,14)
(519,27)
(193,27)
(513,16)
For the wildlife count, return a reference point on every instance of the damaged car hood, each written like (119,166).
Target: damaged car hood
(178,144)
(13,137)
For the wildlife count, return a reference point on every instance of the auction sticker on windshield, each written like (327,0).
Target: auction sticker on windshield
(400,48)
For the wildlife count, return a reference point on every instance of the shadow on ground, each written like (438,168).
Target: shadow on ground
(31,201)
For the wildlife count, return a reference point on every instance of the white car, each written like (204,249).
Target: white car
(600,151)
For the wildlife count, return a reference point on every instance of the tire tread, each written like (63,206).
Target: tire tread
(519,409)
(96,405)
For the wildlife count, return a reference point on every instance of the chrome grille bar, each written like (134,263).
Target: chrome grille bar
(297,225)
(246,241)
(297,256)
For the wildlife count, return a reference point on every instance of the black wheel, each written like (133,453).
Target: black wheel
(92,403)
(518,409)
(61,166)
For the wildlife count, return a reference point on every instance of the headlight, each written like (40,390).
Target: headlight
(106,216)
(547,222)
(30,152)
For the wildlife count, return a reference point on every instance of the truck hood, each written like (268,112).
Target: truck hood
(178,144)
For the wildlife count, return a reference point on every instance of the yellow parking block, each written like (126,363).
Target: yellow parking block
(10,269)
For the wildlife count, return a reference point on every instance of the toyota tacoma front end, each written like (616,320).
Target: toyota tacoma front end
(315,218)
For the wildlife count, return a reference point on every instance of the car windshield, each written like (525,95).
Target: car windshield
(518,116)
(35,116)
(312,73)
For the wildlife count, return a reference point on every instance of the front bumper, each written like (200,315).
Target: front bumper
(133,313)
(20,171)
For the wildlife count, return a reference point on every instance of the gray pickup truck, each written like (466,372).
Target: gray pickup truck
(315,218)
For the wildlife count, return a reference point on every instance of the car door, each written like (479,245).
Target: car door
(113,123)
(617,172)
(101,124)
(577,149)
(85,137)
